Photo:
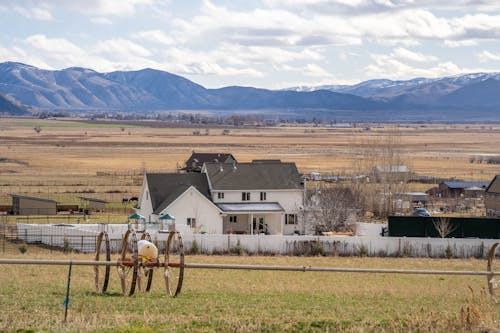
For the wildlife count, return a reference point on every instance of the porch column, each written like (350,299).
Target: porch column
(251,223)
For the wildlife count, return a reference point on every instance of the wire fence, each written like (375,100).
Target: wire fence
(52,241)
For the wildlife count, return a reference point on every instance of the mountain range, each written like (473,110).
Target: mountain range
(468,97)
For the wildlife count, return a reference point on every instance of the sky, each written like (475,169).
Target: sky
(270,44)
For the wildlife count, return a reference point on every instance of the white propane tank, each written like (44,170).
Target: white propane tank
(147,250)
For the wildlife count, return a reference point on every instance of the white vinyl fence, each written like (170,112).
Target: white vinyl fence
(83,238)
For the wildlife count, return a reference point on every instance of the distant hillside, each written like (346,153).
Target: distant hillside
(9,107)
(461,98)
(80,89)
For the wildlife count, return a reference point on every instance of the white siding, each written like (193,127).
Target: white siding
(192,204)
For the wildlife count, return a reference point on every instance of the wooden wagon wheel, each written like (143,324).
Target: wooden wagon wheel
(174,265)
(102,288)
(492,283)
(148,271)
(124,270)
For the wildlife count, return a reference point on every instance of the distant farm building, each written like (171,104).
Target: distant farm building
(23,205)
(492,197)
(94,205)
(412,199)
(453,189)
(391,173)
(196,160)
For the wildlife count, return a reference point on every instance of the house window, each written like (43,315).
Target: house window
(290,218)
(245,196)
(263,196)
(191,221)
(233,219)
(220,195)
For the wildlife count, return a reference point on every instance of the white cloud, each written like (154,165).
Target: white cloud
(405,54)
(311,70)
(154,36)
(186,61)
(460,43)
(394,67)
(104,7)
(362,7)
(487,56)
(101,20)
(287,26)
(53,45)
(120,49)
(36,13)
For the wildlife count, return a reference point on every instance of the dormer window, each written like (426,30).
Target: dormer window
(220,195)
(263,196)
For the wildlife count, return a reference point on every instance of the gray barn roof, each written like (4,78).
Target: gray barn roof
(32,198)
(164,188)
(464,185)
(253,176)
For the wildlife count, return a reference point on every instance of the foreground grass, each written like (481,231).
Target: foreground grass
(247,301)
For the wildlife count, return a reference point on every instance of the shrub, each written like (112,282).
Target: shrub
(67,246)
(448,252)
(195,249)
(23,248)
(238,249)
(317,248)
(363,250)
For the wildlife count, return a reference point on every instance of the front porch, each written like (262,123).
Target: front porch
(253,218)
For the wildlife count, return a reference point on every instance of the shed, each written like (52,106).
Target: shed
(459,188)
(413,197)
(93,204)
(492,197)
(391,172)
(24,205)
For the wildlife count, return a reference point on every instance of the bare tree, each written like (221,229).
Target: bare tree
(443,226)
(379,173)
(332,207)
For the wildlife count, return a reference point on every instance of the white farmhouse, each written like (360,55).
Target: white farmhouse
(184,196)
(251,198)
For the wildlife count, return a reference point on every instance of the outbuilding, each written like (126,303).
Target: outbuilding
(492,197)
(93,204)
(24,205)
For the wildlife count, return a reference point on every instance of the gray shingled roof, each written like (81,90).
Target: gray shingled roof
(196,160)
(459,185)
(253,176)
(164,188)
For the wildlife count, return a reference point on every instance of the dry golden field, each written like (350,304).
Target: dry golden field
(68,158)
(70,152)
(31,298)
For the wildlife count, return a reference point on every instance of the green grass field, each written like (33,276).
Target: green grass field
(31,298)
